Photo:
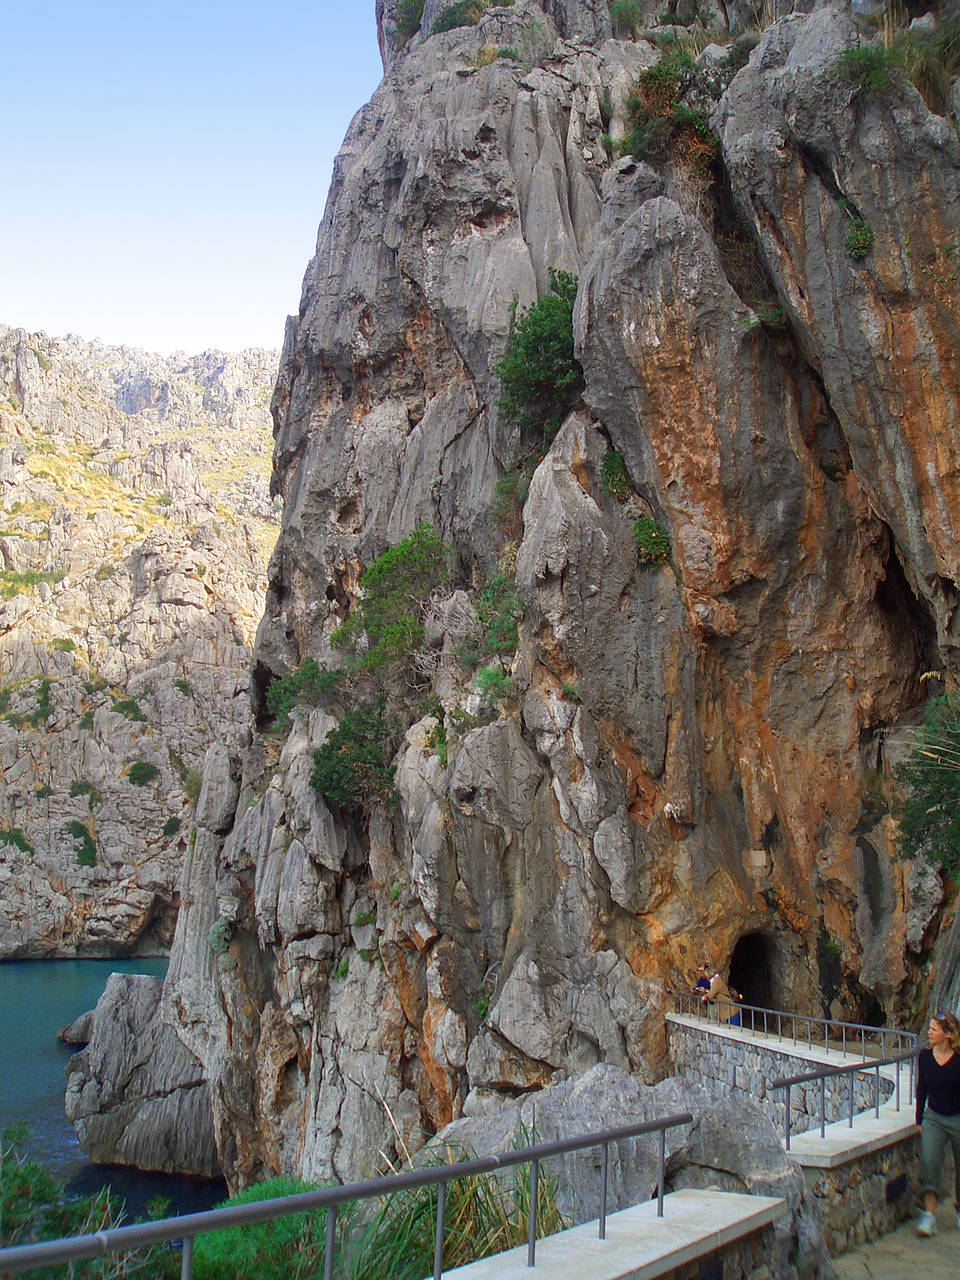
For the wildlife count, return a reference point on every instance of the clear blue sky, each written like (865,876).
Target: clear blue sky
(166,164)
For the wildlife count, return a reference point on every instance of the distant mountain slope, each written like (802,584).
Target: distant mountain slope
(135,523)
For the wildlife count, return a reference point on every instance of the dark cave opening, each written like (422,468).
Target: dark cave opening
(753,967)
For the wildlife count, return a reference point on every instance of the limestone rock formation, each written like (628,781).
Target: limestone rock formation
(135,1094)
(131,577)
(676,754)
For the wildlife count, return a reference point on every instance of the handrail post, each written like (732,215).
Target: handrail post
(826,1037)
(534,1189)
(779,1028)
(438,1242)
(899,1064)
(843,1027)
(764,1022)
(823,1105)
(876,1101)
(852,1082)
(186,1260)
(604,1170)
(809,1033)
(330,1242)
(787,1120)
(660,1171)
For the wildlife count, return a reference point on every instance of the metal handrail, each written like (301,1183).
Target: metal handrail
(189,1226)
(852,1069)
(784,1018)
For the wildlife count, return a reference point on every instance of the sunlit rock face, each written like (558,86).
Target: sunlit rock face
(693,758)
(134,518)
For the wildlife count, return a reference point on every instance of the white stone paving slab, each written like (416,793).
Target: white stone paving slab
(639,1245)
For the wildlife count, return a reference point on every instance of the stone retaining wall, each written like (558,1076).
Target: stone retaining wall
(700,1057)
(751,1259)
(869,1196)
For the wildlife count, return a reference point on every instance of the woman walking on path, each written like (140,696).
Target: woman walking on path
(938,1114)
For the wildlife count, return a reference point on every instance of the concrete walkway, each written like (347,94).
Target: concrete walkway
(902,1254)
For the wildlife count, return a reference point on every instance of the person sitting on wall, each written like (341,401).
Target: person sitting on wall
(718,994)
(938,1114)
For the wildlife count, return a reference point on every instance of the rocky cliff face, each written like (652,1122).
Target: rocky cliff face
(689,755)
(134,517)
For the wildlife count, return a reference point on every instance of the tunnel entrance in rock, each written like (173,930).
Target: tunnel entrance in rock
(753,970)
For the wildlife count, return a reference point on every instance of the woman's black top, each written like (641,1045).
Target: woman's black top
(940,1086)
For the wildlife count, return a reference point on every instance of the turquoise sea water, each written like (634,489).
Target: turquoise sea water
(37,997)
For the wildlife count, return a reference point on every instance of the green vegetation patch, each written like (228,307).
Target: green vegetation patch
(15,838)
(626,16)
(613,476)
(142,773)
(394,591)
(171,828)
(662,125)
(86,845)
(930,814)
(409,14)
(219,936)
(81,787)
(653,545)
(289,1248)
(485,1214)
(464,13)
(307,685)
(15,583)
(540,377)
(36,1207)
(128,707)
(352,768)
(871,66)
(859,239)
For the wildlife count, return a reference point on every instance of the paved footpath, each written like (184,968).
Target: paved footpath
(903,1255)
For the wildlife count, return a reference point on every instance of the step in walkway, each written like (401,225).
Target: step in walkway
(903,1255)
(639,1245)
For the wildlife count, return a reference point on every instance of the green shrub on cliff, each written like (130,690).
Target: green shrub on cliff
(464,13)
(409,13)
(539,376)
(930,814)
(661,124)
(308,683)
(393,593)
(15,838)
(626,16)
(869,66)
(86,845)
(653,545)
(613,476)
(353,766)
(142,773)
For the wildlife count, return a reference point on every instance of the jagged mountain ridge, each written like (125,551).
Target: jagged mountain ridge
(135,519)
(690,754)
